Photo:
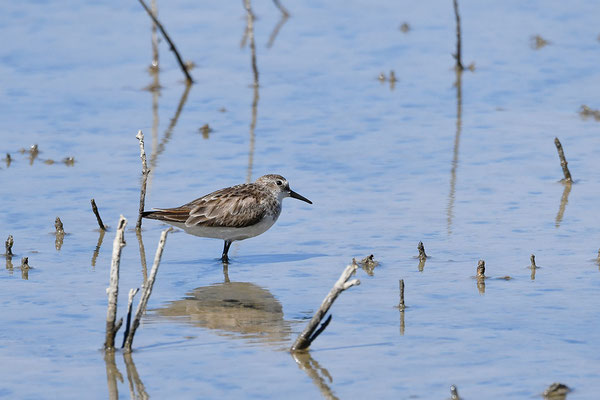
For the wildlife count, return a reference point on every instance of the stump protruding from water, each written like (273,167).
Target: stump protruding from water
(563,161)
(25,263)
(532,258)
(310,333)
(401,305)
(9,244)
(58,225)
(421,248)
(368,264)
(481,269)
(97,214)
(556,391)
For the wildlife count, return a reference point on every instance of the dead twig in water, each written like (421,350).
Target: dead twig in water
(132,293)
(145,172)
(97,214)
(113,290)
(563,161)
(532,258)
(458,54)
(147,291)
(421,248)
(481,276)
(25,268)
(533,267)
(401,305)
(8,246)
(58,225)
(310,333)
(368,264)
(188,77)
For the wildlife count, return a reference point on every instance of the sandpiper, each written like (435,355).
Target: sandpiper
(234,213)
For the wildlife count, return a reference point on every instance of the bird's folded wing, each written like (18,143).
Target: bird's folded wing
(226,211)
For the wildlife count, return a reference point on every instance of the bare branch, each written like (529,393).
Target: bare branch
(147,290)
(97,214)
(113,290)
(563,160)
(307,336)
(145,172)
(188,77)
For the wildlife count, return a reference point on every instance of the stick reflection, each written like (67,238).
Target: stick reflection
(452,195)
(563,203)
(319,375)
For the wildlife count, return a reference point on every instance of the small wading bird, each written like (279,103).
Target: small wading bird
(234,213)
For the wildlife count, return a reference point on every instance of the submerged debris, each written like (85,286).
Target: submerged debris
(587,112)
(537,42)
(422,255)
(556,391)
(481,270)
(368,264)
(69,161)
(405,27)
(8,245)
(206,130)
(58,225)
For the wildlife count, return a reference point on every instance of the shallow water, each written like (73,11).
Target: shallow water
(469,169)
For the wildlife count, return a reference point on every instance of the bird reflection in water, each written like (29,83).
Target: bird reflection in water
(233,309)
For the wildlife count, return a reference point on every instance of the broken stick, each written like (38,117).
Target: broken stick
(310,333)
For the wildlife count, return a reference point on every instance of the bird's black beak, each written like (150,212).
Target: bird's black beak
(299,197)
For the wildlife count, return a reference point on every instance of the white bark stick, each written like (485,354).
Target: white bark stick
(145,172)
(147,290)
(308,334)
(113,290)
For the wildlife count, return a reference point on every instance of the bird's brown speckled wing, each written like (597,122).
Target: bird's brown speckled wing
(234,207)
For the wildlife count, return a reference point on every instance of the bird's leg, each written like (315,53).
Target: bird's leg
(224,257)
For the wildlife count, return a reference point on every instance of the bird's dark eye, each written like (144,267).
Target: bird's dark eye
(279,183)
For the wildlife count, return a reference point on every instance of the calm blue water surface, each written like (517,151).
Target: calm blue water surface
(467,167)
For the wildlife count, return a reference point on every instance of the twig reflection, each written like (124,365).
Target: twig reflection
(249,35)
(319,375)
(284,17)
(133,378)
(452,195)
(563,202)
(112,374)
(98,245)
(169,131)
